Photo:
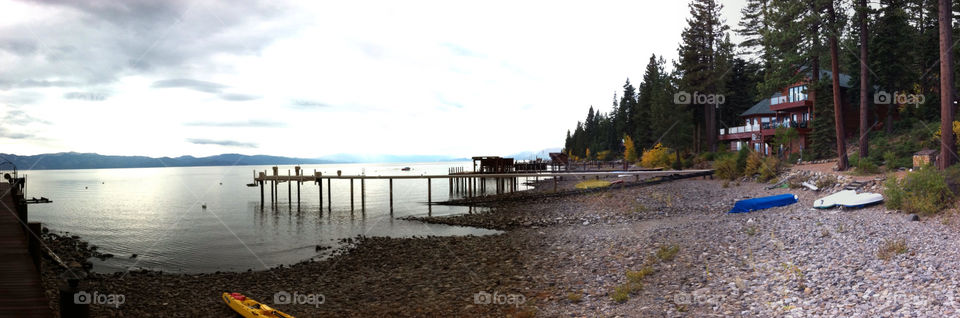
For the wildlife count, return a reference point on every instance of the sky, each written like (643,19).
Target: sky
(309,79)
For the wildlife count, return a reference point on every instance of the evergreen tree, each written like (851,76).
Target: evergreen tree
(700,53)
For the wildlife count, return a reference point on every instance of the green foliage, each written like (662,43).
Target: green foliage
(667,253)
(865,167)
(770,169)
(753,165)
(891,248)
(923,191)
(742,156)
(726,168)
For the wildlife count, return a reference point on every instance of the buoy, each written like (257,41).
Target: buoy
(204,205)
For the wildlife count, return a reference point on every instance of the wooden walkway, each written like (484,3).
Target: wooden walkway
(21,293)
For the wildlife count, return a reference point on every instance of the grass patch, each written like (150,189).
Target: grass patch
(751,231)
(621,293)
(637,277)
(667,253)
(575,297)
(591,184)
(891,248)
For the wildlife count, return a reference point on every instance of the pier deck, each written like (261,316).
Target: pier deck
(21,293)
(469,184)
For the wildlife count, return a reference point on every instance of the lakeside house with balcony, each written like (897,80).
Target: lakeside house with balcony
(789,107)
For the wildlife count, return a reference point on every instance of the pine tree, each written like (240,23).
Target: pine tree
(700,52)
(753,24)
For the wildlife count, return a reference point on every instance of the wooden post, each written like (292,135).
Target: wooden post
(429,192)
(363,194)
(289,188)
(320,192)
(450,186)
(351,194)
(555,183)
(329,198)
(391,196)
(33,242)
(261,193)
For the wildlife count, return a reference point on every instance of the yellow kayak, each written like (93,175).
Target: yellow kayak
(251,308)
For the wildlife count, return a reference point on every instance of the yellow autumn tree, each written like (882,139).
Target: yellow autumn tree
(956,132)
(629,149)
(657,157)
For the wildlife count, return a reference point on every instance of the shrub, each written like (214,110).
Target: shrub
(667,253)
(621,293)
(769,169)
(826,181)
(792,158)
(658,157)
(754,163)
(893,193)
(891,248)
(923,191)
(865,167)
(726,168)
(742,156)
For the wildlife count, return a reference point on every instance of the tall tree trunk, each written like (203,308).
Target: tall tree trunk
(864,82)
(947,146)
(889,123)
(837,107)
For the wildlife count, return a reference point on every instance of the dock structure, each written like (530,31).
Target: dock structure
(21,294)
(469,184)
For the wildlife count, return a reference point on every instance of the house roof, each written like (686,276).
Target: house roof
(760,108)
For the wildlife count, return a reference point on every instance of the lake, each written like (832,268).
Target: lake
(158,213)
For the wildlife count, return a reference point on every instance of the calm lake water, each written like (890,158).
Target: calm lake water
(157,214)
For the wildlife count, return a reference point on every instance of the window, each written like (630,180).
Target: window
(797,93)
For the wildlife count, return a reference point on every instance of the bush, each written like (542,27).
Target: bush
(742,156)
(754,163)
(658,157)
(769,169)
(726,168)
(893,193)
(792,158)
(924,191)
(865,167)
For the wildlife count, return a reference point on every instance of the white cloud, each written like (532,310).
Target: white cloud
(348,77)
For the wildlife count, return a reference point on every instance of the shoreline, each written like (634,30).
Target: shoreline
(569,256)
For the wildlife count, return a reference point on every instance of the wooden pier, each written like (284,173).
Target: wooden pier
(21,292)
(469,184)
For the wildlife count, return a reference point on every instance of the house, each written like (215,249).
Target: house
(789,107)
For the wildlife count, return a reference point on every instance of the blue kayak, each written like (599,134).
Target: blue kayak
(754,204)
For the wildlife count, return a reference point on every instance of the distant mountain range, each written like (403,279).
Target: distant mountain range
(76,160)
(532,155)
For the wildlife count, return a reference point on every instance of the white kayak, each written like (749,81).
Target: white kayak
(833,199)
(862,200)
(848,199)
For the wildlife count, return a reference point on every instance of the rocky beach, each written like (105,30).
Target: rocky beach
(667,249)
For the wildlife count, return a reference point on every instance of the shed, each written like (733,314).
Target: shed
(924,157)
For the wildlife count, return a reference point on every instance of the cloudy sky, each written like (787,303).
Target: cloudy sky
(170,78)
